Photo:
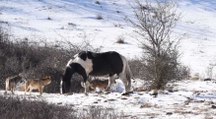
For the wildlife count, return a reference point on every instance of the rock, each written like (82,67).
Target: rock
(111,99)
(154,92)
(207,79)
(169,113)
(127,93)
(124,98)
(196,76)
(213,106)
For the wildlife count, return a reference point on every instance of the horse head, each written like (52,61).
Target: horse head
(67,76)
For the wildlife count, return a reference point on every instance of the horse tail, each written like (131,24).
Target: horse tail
(127,72)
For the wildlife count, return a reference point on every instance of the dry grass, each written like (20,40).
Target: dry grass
(15,108)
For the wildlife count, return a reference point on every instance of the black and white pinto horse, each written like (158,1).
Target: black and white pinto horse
(88,63)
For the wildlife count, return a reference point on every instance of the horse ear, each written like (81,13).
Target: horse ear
(89,55)
(82,55)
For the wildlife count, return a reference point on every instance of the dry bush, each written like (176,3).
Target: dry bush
(121,40)
(154,22)
(97,112)
(99,17)
(34,61)
(137,69)
(15,108)
(97,2)
(37,59)
(49,18)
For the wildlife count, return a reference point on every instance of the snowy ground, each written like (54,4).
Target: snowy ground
(188,99)
(76,21)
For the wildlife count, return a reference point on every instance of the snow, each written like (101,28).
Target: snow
(71,20)
(76,21)
(197,23)
(190,99)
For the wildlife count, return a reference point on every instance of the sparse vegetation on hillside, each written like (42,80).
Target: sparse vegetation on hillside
(121,40)
(154,23)
(99,17)
(36,59)
(17,108)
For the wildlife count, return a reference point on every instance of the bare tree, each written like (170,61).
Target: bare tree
(154,22)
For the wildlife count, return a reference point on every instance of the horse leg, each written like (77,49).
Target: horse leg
(126,82)
(66,86)
(85,78)
(12,90)
(110,82)
(85,87)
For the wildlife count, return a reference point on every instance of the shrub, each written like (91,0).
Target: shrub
(97,2)
(15,108)
(33,60)
(97,112)
(49,18)
(38,59)
(154,22)
(137,69)
(121,40)
(99,17)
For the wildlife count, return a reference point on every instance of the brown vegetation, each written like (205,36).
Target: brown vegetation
(154,23)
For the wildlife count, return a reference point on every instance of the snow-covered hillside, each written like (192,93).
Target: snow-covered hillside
(198,24)
(101,24)
(73,20)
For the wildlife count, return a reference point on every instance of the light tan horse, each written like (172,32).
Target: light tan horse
(37,84)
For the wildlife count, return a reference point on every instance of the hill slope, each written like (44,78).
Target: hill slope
(102,23)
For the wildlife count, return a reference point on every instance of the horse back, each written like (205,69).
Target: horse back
(106,63)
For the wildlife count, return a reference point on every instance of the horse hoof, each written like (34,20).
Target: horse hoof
(107,92)
(68,94)
(127,93)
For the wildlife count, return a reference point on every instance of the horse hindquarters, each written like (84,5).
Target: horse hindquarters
(126,74)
